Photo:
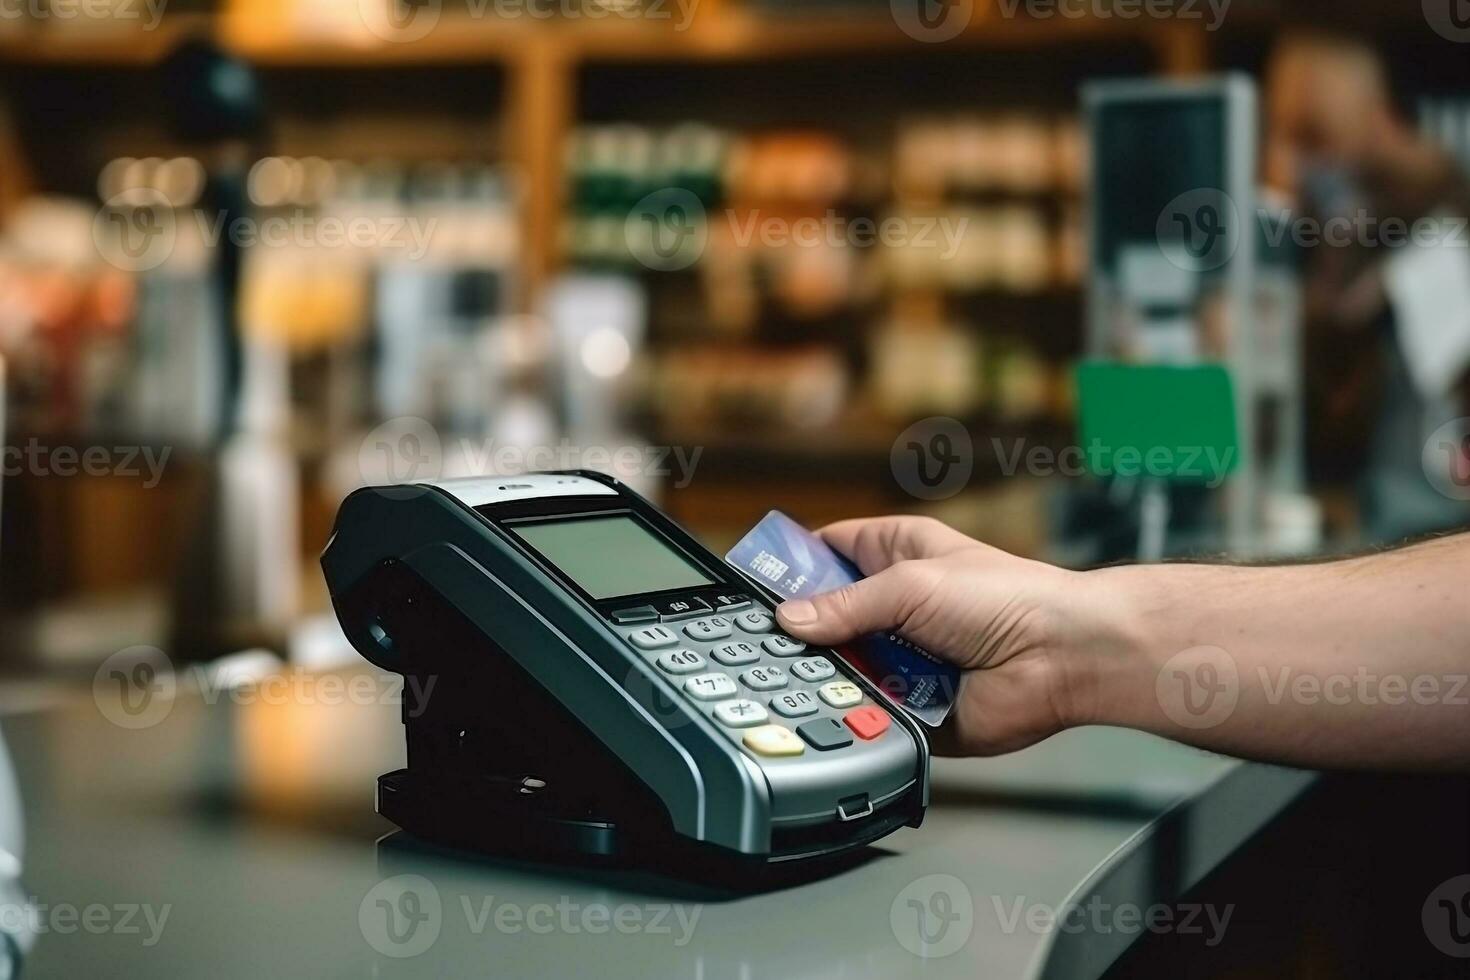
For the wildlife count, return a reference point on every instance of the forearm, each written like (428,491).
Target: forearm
(1361,663)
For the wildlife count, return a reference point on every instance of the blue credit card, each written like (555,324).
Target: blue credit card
(792,561)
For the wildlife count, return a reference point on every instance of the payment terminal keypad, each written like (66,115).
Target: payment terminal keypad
(736,654)
(680,661)
(783,646)
(768,691)
(813,669)
(713,628)
(756,621)
(741,713)
(771,678)
(710,687)
(652,637)
(795,704)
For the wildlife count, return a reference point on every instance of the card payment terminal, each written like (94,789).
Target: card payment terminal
(583,678)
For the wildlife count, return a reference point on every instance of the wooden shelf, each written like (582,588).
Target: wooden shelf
(720,34)
(121,46)
(541,60)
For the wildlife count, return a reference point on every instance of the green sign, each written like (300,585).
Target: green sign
(1146,421)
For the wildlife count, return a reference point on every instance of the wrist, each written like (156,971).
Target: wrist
(1114,653)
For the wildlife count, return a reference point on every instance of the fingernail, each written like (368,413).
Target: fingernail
(798,612)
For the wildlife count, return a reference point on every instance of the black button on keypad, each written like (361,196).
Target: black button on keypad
(824,734)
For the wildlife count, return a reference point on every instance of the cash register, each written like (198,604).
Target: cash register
(584,680)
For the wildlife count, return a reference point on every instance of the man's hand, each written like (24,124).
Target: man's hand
(1353,664)
(1015,625)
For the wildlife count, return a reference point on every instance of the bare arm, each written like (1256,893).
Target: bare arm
(1361,663)
(1357,663)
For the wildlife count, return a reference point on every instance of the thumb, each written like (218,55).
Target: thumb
(879,602)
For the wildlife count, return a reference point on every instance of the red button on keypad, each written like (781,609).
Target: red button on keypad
(867,722)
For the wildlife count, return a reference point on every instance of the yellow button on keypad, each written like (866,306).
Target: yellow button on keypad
(773,740)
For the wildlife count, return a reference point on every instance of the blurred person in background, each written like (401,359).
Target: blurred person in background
(1339,148)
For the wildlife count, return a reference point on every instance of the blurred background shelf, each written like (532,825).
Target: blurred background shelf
(534,314)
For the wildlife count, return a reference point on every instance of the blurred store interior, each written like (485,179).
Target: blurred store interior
(256,253)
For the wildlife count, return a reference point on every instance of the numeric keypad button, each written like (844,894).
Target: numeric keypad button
(710,687)
(755,621)
(841,694)
(712,628)
(813,669)
(740,714)
(794,704)
(773,740)
(768,678)
(653,638)
(736,654)
(783,646)
(680,661)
